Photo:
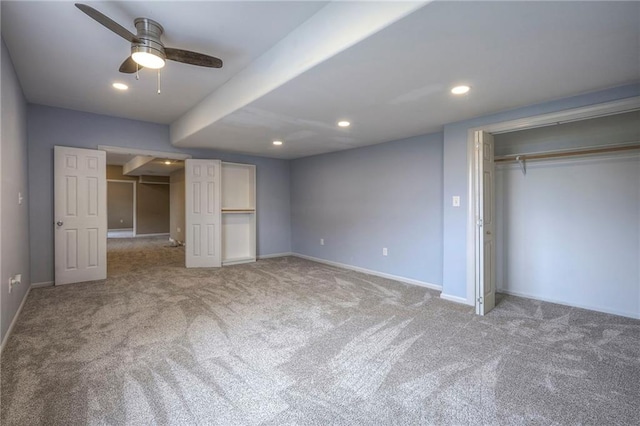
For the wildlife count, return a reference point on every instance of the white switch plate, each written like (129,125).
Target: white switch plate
(20,198)
(456,201)
(178,229)
(385,252)
(321,241)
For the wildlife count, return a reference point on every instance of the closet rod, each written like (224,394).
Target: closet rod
(568,153)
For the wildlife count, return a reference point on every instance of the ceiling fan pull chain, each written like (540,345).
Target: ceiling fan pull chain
(158,81)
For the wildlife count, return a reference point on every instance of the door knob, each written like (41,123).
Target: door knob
(59,223)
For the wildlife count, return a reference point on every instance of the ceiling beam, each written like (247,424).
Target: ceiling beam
(334,28)
(135,163)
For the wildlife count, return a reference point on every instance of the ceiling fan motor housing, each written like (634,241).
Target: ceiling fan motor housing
(149,32)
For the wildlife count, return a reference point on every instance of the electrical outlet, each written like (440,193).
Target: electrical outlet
(15,280)
(321,241)
(178,229)
(385,252)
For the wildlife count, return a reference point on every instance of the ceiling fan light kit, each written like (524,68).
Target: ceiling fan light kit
(149,52)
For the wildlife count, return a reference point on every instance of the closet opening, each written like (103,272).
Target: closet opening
(566,201)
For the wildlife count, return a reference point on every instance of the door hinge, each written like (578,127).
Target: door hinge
(479,222)
(479,300)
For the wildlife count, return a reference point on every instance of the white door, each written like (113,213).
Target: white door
(485,224)
(80,182)
(202,213)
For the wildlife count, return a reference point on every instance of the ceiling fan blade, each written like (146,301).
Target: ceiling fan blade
(109,23)
(129,66)
(192,58)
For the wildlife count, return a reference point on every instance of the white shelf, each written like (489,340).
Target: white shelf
(238,211)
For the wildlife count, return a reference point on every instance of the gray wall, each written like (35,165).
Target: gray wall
(48,126)
(119,205)
(609,130)
(456,178)
(568,231)
(14,224)
(152,208)
(152,201)
(361,200)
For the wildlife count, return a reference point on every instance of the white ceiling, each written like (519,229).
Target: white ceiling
(66,59)
(391,85)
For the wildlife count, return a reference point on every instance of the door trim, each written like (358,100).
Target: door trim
(558,117)
(150,153)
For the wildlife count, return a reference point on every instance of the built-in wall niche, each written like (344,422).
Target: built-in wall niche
(238,213)
(238,186)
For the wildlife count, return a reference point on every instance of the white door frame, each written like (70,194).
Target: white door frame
(559,117)
(133,182)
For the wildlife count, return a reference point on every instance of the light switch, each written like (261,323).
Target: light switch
(20,198)
(456,201)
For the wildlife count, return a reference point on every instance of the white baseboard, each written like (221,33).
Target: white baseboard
(161,234)
(635,315)
(457,299)
(14,321)
(269,256)
(238,261)
(371,272)
(42,284)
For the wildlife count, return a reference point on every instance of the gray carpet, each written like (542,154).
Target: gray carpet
(290,342)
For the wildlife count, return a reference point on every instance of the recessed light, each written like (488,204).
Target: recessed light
(120,86)
(167,162)
(277,142)
(460,90)
(344,123)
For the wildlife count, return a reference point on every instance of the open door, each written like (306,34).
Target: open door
(80,207)
(485,223)
(202,213)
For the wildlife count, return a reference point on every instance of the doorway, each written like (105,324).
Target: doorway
(141,204)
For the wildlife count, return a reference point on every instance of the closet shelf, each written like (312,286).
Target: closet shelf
(238,210)
(568,153)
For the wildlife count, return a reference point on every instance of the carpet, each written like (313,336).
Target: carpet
(287,341)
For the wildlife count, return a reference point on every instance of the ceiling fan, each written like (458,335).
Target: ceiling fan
(147,49)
